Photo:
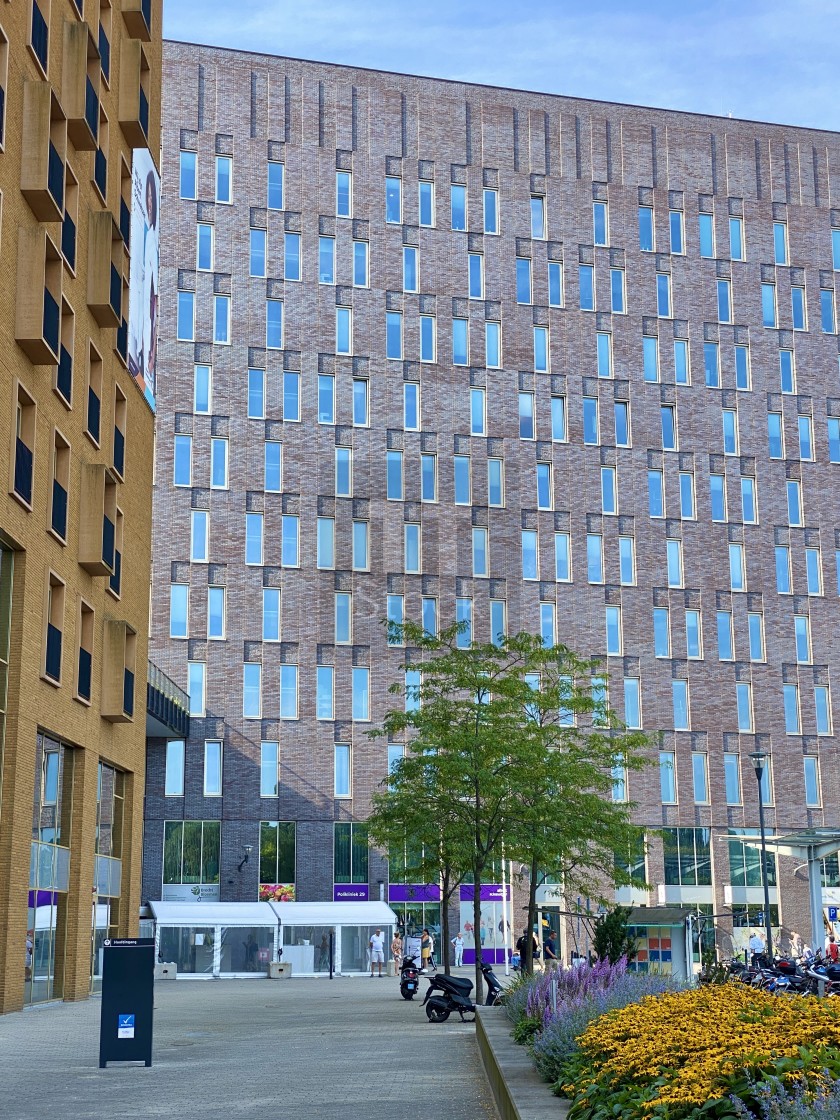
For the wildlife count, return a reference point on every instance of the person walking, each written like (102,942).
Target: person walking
(377,951)
(426,947)
(550,951)
(458,945)
(397,952)
(757,947)
(832,951)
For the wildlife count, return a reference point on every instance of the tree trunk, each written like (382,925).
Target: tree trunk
(532,914)
(445,896)
(479,979)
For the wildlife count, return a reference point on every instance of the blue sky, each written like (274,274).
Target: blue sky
(772,60)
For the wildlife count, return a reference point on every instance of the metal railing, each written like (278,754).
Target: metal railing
(166,702)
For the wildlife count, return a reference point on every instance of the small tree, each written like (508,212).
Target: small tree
(611,939)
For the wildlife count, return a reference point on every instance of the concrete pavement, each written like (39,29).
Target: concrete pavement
(347,1049)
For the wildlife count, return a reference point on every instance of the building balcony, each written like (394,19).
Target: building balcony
(137,15)
(80,78)
(167,707)
(105,255)
(42,160)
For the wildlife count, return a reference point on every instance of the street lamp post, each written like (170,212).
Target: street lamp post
(759,761)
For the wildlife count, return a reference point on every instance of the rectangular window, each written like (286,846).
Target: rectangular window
(737,571)
(275,186)
(812,781)
(256,394)
(460,342)
(495,482)
(475,262)
(326,260)
(706,224)
(182,461)
(724,301)
(291,256)
(586,282)
(627,561)
(663,295)
(343,472)
(743,703)
(411,406)
(491,211)
(835,249)
(493,344)
(711,362)
(269,769)
(343,618)
(755,632)
(775,435)
(621,410)
(216,613)
(202,392)
(342,771)
(794,502)
(675,563)
(179,601)
(790,696)
(646,229)
(257,252)
(609,491)
(393,200)
(458,207)
(736,239)
(732,778)
(682,370)
(428,339)
(396,618)
(668,777)
(413,687)
(726,642)
(199,535)
(429,614)
(526,416)
(410,269)
(325,542)
(600,223)
(675,225)
(693,635)
(617,300)
(687,510)
(324,691)
(343,330)
(537,217)
(212,768)
(700,777)
(463,616)
(603,342)
(787,371)
(274,324)
(632,702)
(806,438)
(555,284)
(361,693)
(613,629)
(185,327)
(481,560)
(783,583)
(590,420)
(822,705)
(541,349)
(196,671)
(221,320)
(650,358)
(462,481)
(548,626)
(273,466)
(530,555)
(743,379)
(827,310)
(288,692)
(204,247)
(768,305)
(251,691)
(780,243)
(558,420)
(218,464)
(428,478)
(730,431)
(798,309)
(174,778)
(361,266)
(326,399)
(361,546)
(813,571)
(290,541)
(343,194)
(668,419)
(594,558)
(412,547)
(661,632)
(562,558)
(523,280)
(253,538)
(656,494)
(679,694)
(187,175)
(545,490)
(361,409)
(224,175)
(802,634)
(271,614)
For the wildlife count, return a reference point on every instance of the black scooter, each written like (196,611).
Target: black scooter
(454,995)
(409,978)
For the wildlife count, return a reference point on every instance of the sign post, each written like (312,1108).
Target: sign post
(128,978)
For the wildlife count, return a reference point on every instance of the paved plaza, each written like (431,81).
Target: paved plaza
(315,1049)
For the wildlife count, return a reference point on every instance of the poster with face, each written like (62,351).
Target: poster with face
(143,294)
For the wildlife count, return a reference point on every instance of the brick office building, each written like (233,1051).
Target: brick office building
(439,350)
(79,90)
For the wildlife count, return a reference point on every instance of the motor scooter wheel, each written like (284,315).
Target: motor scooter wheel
(437,1014)
(407,995)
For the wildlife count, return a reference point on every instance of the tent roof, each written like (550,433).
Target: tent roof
(806,843)
(213,913)
(334,913)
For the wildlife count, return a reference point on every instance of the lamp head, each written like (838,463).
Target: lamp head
(759,760)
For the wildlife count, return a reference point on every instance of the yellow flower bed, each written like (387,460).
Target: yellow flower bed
(693,1039)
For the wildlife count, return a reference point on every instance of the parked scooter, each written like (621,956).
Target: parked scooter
(409,978)
(446,994)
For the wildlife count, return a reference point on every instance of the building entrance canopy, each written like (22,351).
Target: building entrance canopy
(811,845)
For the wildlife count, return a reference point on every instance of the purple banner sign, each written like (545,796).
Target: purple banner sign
(351,892)
(413,892)
(489,956)
(490,892)
(42,898)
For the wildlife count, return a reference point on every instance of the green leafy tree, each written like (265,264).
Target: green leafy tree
(495,755)
(611,939)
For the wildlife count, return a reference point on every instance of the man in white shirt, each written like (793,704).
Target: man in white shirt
(377,951)
(458,944)
(756,946)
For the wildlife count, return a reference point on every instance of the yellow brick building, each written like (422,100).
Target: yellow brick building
(79,89)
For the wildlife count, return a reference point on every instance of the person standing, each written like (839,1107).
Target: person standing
(377,951)
(29,948)
(397,951)
(458,945)
(832,950)
(756,947)
(550,950)
(425,950)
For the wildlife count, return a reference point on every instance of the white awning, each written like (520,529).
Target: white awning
(333,913)
(213,914)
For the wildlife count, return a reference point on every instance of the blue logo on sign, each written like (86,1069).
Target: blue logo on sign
(832,913)
(125,1021)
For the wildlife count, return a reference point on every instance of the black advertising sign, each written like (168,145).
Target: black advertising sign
(128,981)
